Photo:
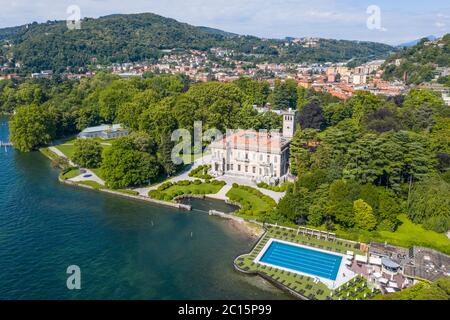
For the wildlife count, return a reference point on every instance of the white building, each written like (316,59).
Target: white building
(446,98)
(258,156)
(105,131)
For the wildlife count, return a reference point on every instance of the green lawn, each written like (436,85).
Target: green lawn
(98,172)
(68,147)
(72,173)
(253,202)
(92,184)
(185,187)
(127,191)
(46,151)
(408,234)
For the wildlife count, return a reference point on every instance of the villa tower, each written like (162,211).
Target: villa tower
(289,123)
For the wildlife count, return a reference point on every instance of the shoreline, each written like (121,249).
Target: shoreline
(249,228)
(179,206)
(252,230)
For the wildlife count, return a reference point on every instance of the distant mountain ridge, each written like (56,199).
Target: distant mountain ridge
(415,42)
(137,37)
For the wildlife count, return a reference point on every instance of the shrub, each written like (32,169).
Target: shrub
(218,183)
(165,186)
(280,188)
(439,224)
(201,172)
(155,194)
(197,182)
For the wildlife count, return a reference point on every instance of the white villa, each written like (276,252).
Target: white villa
(258,156)
(105,131)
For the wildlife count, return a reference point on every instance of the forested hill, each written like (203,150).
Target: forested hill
(420,61)
(137,37)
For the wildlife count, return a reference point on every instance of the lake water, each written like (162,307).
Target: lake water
(125,249)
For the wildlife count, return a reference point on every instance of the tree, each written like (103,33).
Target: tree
(336,112)
(302,145)
(128,113)
(311,116)
(110,99)
(294,205)
(266,121)
(382,120)
(123,168)
(31,127)
(165,156)
(342,194)
(285,94)
(87,153)
(364,102)
(158,121)
(364,215)
(257,91)
(430,204)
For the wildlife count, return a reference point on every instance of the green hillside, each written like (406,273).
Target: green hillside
(138,37)
(420,61)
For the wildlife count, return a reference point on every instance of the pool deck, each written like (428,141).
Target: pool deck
(344,274)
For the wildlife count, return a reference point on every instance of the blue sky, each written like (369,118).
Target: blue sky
(400,20)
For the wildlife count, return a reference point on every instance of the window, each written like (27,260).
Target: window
(254,170)
(239,167)
(246,168)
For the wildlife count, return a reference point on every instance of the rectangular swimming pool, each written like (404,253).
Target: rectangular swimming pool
(301,259)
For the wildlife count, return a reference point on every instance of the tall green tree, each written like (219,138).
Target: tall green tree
(31,127)
(87,153)
(364,215)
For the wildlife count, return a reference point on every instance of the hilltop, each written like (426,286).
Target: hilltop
(420,63)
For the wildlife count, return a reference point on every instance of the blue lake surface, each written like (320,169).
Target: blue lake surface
(302,259)
(125,249)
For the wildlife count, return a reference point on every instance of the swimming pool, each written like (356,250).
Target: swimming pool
(302,259)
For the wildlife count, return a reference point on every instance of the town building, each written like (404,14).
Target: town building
(255,155)
(104,131)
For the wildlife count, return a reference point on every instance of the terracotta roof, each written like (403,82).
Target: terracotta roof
(253,140)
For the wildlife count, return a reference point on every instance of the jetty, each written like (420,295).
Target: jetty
(5,144)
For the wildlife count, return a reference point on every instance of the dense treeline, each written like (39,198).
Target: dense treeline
(362,162)
(419,62)
(152,108)
(138,37)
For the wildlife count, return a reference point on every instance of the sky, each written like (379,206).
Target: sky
(386,21)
